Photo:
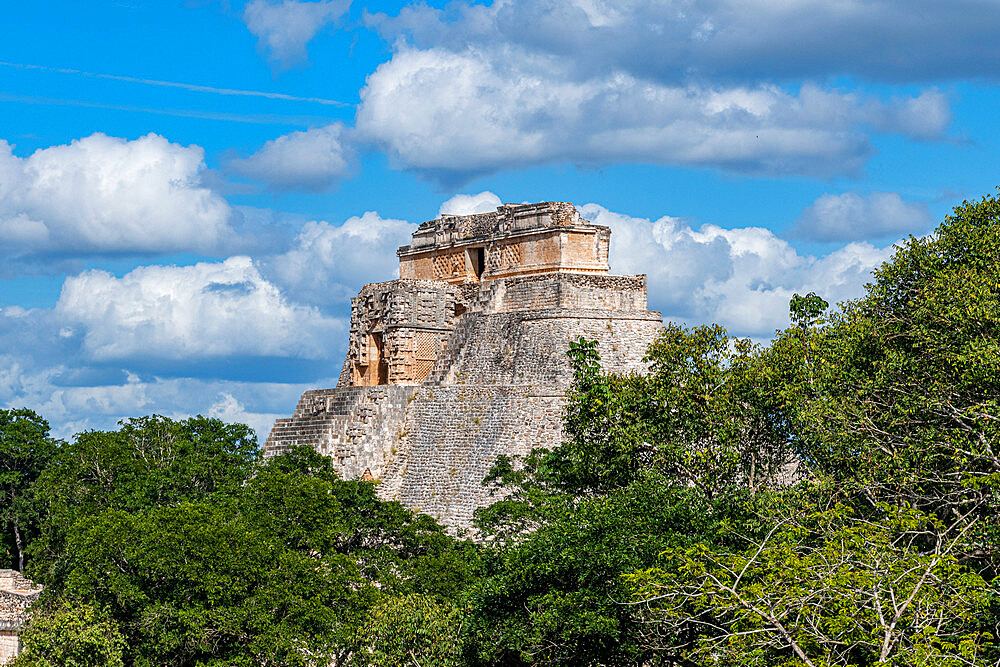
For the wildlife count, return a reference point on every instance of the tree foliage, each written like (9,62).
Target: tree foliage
(890,554)
(71,635)
(25,450)
(831,588)
(198,553)
(906,403)
(412,630)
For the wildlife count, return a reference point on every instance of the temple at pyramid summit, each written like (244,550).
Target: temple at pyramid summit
(463,358)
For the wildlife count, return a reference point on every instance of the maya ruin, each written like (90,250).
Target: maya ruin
(463,358)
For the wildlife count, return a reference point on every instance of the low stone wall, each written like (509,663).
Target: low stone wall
(10,645)
(17,593)
(568,290)
(529,348)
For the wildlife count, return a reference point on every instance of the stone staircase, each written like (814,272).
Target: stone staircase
(334,420)
(483,302)
(453,349)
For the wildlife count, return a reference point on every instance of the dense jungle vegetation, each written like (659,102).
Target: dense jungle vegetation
(828,499)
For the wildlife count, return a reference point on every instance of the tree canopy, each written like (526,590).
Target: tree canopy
(25,449)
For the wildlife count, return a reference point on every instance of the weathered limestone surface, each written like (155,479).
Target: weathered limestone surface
(16,595)
(464,357)
(459,431)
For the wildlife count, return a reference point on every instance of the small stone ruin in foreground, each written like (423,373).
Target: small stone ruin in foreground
(16,595)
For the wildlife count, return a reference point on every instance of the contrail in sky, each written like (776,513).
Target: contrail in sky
(184,86)
(262,119)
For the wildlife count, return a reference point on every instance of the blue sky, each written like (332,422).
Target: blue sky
(190,192)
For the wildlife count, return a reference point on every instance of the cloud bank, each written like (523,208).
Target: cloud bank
(451,115)
(741,278)
(312,160)
(105,194)
(850,216)
(191,312)
(735,40)
(328,263)
(484,202)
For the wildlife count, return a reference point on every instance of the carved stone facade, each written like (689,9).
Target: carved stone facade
(16,595)
(516,240)
(464,357)
(398,329)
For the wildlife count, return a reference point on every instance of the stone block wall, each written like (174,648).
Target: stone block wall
(12,580)
(456,434)
(17,594)
(616,294)
(359,427)
(507,220)
(577,249)
(14,606)
(428,447)
(10,645)
(526,348)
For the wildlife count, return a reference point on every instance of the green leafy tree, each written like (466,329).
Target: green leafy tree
(202,555)
(299,497)
(903,404)
(199,584)
(807,311)
(719,423)
(415,630)
(148,462)
(70,635)
(828,588)
(556,595)
(649,462)
(892,406)
(707,415)
(25,449)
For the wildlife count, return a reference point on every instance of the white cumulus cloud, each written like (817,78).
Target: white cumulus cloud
(105,194)
(72,408)
(205,310)
(230,410)
(314,159)
(741,278)
(329,263)
(283,29)
(484,202)
(454,114)
(851,216)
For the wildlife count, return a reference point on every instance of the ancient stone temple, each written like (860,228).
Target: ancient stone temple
(16,595)
(463,358)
